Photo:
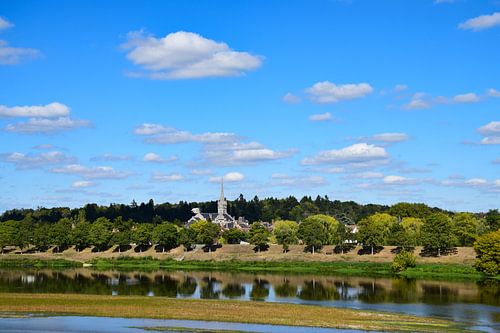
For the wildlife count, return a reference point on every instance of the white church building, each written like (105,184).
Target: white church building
(222,218)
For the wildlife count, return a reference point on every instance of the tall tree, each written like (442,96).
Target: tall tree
(259,236)
(7,234)
(313,233)
(285,233)
(437,232)
(465,227)
(206,233)
(330,224)
(80,235)
(488,253)
(100,233)
(60,233)
(375,229)
(166,235)
(141,235)
(493,219)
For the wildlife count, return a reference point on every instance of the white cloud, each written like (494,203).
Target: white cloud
(172,177)
(491,133)
(390,137)
(398,180)
(321,117)
(155,158)
(111,158)
(40,111)
(328,92)
(217,148)
(31,161)
(357,153)
(4,24)
(418,101)
(284,180)
(100,172)
(230,177)
(82,184)
(201,172)
(400,87)
(186,55)
(466,98)
(291,98)
(476,182)
(14,55)
(44,125)
(481,22)
(367,175)
(493,93)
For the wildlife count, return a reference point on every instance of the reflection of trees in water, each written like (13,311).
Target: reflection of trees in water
(438,294)
(343,288)
(233,290)
(207,289)
(372,292)
(489,293)
(285,290)
(260,290)
(187,287)
(316,291)
(164,285)
(404,291)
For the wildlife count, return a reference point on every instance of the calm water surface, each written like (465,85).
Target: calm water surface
(477,304)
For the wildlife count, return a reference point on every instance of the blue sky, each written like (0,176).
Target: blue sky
(371,101)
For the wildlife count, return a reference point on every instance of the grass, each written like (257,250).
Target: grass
(189,329)
(221,310)
(38,263)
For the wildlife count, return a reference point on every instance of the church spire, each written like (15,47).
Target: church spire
(221,189)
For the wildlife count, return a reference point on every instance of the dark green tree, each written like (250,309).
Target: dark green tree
(187,238)
(437,232)
(234,236)
(100,233)
(313,234)
(7,234)
(344,237)
(375,229)
(166,236)
(60,234)
(41,236)
(259,236)
(487,249)
(80,235)
(493,219)
(141,235)
(206,233)
(465,227)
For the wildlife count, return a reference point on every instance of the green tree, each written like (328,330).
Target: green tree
(234,236)
(493,219)
(187,238)
(41,236)
(122,239)
(330,224)
(100,233)
(465,227)
(7,234)
(286,233)
(437,232)
(206,233)
(259,235)
(141,235)
(80,235)
(166,235)
(487,249)
(413,227)
(344,236)
(399,236)
(375,229)
(313,233)
(402,261)
(60,234)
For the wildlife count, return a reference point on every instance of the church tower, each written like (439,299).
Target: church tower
(221,203)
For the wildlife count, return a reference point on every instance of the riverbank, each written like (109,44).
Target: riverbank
(220,310)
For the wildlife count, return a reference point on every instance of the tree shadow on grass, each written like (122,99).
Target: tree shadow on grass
(368,250)
(122,248)
(428,252)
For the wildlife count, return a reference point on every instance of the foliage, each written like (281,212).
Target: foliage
(60,233)
(285,233)
(7,232)
(406,209)
(413,228)
(100,233)
(187,238)
(344,236)
(374,230)
(313,234)
(234,236)
(166,235)
(141,235)
(488,253)
(205,232)
(259,235)
(80,235)
(399,236)
(330,224)
(465,228)
(402,261)
(493,219)
(437,233)
(41,236)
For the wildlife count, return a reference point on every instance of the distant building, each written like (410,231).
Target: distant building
(222,218)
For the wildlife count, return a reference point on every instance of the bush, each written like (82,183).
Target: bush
(402,261)
(488,253)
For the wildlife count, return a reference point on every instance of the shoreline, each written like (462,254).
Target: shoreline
(221,310)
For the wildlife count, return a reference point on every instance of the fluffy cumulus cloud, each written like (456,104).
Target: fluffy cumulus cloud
(359,153)
(32,161)
(328,92)
(155,158)
(491,133)
(466,98)
(422,100)
(418,101)
(171,177)
(100,172)
(45,125)
(186,55)
(481,22)
(327,116)
(49,118)
(42,111)
(493,93)
(10,55)
(230,177)
(217,147)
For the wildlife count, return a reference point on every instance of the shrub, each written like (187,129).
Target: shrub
(402,261)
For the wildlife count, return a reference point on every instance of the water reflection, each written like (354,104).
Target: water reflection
(467,301)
